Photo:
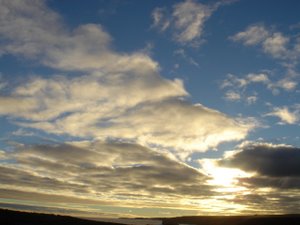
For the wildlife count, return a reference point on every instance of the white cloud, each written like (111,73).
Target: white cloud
(276,45)
(85,48)
(181,52)
(237,87)
(189,18)
(273,43)
(122,96)
(234,81)
(186,20)
(22,132)
(287,84)
(160,19)
(251,99)
(285,115)
(119,107)
(232,96)
(253,35)
(257,78)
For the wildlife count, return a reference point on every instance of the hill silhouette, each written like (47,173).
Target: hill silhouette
(10,217)
(235,220)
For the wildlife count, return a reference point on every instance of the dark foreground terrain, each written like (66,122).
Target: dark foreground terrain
(9,217)
(235,220)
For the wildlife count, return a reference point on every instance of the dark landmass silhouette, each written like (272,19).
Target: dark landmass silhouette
(10,217)
(235,220)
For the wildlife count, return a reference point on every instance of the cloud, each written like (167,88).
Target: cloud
(50,98)
(49,41)
(140,126)
(273,43)
(275,166)
(159,19)
(237,88)
(189,18)
(253,35)
(108,171)
(186,20)
(285,84)
(276,45)
(251,99)
(279,46)
(121,95)
(256,174)
(122,109)
(266,159)
(234,81)
(232,96)
(182,53)
(285,115)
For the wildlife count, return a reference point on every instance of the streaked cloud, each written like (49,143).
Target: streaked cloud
(107,171)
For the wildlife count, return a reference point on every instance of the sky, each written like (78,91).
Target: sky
(129,108)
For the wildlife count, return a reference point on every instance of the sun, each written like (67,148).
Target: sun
(226,177)
(221,176)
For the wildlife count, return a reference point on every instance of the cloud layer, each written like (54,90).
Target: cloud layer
(122,95)
(136,128)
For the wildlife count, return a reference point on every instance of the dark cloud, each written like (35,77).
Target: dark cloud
(269,202)
(274,166)
(274,182)
(267,160)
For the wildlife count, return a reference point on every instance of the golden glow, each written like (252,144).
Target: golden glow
(226,179)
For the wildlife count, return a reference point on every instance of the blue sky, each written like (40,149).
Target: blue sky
(105,104)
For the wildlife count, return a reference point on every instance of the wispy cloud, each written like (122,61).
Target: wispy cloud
(186,20)
(274,43)
(189,18)
(285,114)
(182,53)
(237,87)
